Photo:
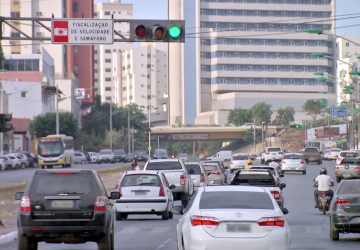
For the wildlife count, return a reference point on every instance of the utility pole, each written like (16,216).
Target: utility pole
(111,127)
(149,128)
(57,110)
(129,143)
(1,111)
(194,147)
(158,142)
(133,141)
(262,134)
(254,137)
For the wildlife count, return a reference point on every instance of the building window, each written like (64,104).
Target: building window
(291,56)
(243,26)
(237,41)
(291,68)
(291,82)
(230,26)
(230,13)
(75,6)
(347,44)
(277,81)
(257,13)
(108,98)
(108,79)
(223,67)
(277,68)
(203,42)
(222,41)
(298,27)
(298,14)
(277,42)
(15,34)
(304,43)
(271,13)
(76,49)
(250,68)
(291,43)
(222,54)
(203,55)
(237,67)
(263,42)
(107,70)
(237,80)
(250,81)
(263,81)
(237,54)
(222,80)
(203,81)
(263,68)
(318,43)
(278,55)
(305,69)
(250,42)
(108,60)
(243,13)
(215,12)
(23,94)
(284,14)
(107,13)
(108,51)
(305,82)
(284,27)
(15,14)
(216,25)
(96,80)
(95,61)
(264,55)
(305,56)
(203,68)
(107,88)
(202,12)
(250,55)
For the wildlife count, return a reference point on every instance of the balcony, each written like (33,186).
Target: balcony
(263,74)
(267,61)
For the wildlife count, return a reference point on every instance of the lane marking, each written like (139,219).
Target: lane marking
(164,244)
(159,230)
(129,230)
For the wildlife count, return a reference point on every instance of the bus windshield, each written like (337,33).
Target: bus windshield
(50,148)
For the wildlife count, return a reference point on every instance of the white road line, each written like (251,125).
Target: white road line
(313,230)
(164,244)
(129,230)
(159,230)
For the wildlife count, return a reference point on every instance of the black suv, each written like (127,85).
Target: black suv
(65,206)
(119,155)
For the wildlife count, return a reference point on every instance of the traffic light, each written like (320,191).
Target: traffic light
(4,126)
(297,126)
(157,31)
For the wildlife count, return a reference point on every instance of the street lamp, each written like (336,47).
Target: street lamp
(326,56)
(321,32)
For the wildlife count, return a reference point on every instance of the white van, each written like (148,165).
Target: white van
(221,156)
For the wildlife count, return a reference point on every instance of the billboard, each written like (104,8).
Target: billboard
(80,93)
(331,132)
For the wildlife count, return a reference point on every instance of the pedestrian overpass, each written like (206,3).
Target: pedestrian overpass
(169,133)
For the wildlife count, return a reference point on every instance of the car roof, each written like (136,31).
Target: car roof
(192,162)
(65,171)
(156,172)
(234,188)
(293,154)
(263,167)
(255,172)
(236,154)
(164,160)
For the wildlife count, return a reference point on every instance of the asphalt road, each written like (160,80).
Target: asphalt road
(23,175)
(309,227)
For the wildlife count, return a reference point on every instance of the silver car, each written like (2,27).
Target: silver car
(293,162)
(199,175)
(348,168)
(214,174)
(239,161)
(105,155)
(183,157)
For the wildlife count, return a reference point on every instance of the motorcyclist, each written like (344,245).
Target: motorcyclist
(274,164)
(249,164)
(323,182)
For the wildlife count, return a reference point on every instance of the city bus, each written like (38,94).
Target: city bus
(55,150)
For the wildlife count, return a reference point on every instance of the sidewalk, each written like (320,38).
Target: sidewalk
(8,229)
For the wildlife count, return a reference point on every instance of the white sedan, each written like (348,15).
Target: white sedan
(144,192)
(228,217)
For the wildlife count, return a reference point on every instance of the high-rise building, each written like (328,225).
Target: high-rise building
(347,54)
(104,53)
(69,60)
(141,77)
(253,51)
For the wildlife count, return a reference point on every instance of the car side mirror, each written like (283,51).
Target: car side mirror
(282,175)
(282,185)
(19,195)
(116,187)
(285,211)
(172,186)
(115,195)
(177,210)
(191,171)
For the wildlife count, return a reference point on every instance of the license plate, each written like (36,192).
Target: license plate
(346,175)
(243,228)
(140,192)
(346,166)
(62,204)
(273,153)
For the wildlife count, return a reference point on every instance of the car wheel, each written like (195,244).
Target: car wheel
(35,165)
(83,162)
(42,166)
(334,233)
(171,215)
(104,242)
(165,215)
(184,203)
(99,162)
(23,166)
(117,215)
(304,172)
(24,243)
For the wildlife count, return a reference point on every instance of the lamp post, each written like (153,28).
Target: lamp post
(321,32)
(326,56)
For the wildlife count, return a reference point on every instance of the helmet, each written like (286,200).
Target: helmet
(249,162)
(323,171)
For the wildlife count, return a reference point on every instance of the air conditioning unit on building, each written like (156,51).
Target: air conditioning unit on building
(87,96)
(39,13)
(13,42)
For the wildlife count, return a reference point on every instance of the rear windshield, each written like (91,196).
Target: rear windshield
(311,150)
(140,180)
(160,151)
(292,156)
(183,155)
(119,152)
(164,165)
(235,200)
(210,168)
(105,152)
(240,157)
(349,154)
(254,180)
(55,184)
(141,153)
(272,170)
(351,160)
(349,187)
(335,150)
(274,150)
(196,168)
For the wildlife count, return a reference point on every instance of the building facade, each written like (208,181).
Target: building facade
(69,60)
(103,63)
(251,51)
(141,77)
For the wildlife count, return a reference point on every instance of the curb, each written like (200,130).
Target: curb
(6,238)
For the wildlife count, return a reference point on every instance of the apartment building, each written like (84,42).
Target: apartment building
(141,77)
(69,60)
(103,62)
(347,54)
(251,51)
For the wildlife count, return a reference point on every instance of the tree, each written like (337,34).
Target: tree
(313,108)
(44,125)
(284,116)
(239,116)
(1,56)
(261,111)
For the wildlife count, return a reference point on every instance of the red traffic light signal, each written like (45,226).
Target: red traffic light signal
(140,31)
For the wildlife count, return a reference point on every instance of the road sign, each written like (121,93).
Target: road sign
(80,93)
(82,31)
(331,131)
(338,111)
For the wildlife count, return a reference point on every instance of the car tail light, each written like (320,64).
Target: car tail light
(280,153)
(100,203)
(62,172)
(162,191)
(278,179)
(341,202)
(277,221)
(25,204)
(302,161)
(203,221)
(182,180)
(267,153)
(202,177)
(349,152)
(231,162)
(337,169)
(119,190)
(357,169)
(339,158)
(276,194)
(217,173)
(284,161)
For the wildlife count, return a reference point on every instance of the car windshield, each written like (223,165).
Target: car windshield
(274,149)
(272,170)
(254,180)
(195,167)
(293,157)
(240,157)
(50,148)
(105,152)
(164,165)
(349,187)
(351,160)
(119,152)
(349,154)
(140,180)
(235,200)
(55,184)
(210,168)
(311,150)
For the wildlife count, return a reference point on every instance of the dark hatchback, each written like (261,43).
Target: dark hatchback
(119,155)
(141,156)
(33,159)
(65,206)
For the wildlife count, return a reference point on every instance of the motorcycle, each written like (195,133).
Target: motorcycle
(324,202)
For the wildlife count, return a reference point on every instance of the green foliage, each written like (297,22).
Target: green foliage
(325,122)
(284,116)
(202,148)
(1,56)
(261,111)
(249,135)
(239,116)
(313,108)
(43,125)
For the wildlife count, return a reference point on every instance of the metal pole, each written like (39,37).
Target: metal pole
(149,128)
(254,137)
(133,141)
(194,147)
(262,134)
(129,143)
(57,110)
(1,111)
(352,132)
(158,142)
(111,127)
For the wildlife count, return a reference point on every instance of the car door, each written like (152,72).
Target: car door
(168,191)
(78,157)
